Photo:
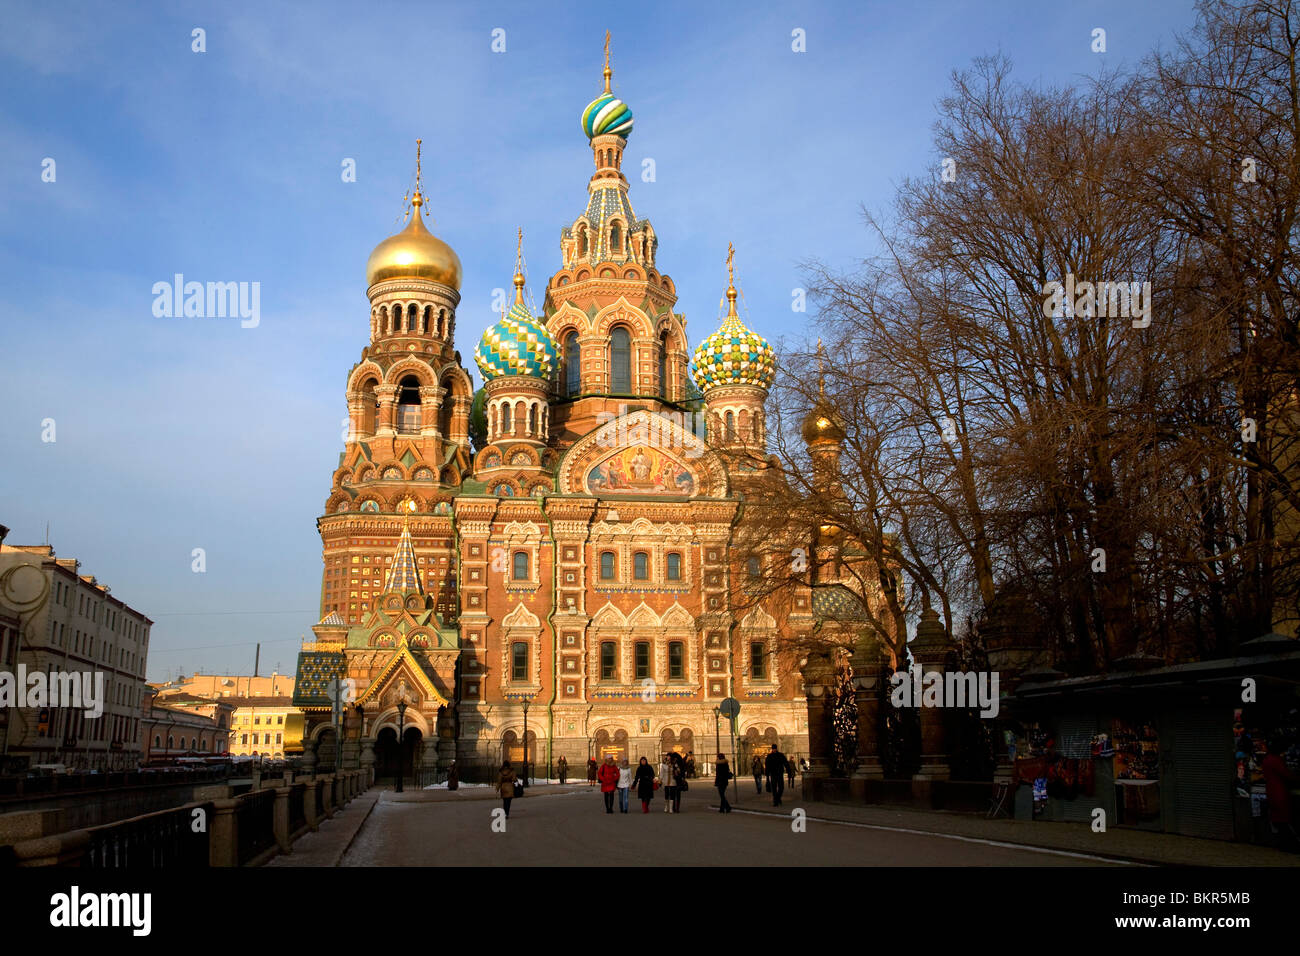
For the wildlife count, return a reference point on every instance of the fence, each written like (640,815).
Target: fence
(244,830)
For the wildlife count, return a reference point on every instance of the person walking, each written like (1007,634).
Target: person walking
(506,786)
(789,770)
(562,767)
(1277,778)
(776,774)
(679,778)
(666,781)
(644,781)
(624,784)
(591,771)
(758,773)
(690,764)
(722,775)
(608,777)
(453,777)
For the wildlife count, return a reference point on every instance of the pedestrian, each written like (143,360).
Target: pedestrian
(608,777)
(721,776)
(453,777)
(624,784)
(690,764)
(666,781)
(758,773)
(1277,779)
(562,766)
(506,786)
(644,780)
(591,771)
(776,774)
(789,769)
(679,778)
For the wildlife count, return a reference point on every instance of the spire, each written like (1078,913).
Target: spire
(821,368)
(732,322)
(418,199)
(608,72)
(404,575)
(519,269)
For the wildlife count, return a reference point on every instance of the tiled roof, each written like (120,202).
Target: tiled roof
(315,670)
(835,602)
(404,575)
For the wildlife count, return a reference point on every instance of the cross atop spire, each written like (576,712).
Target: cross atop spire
(418,198)
(519,269)
(608,72)
(821,368)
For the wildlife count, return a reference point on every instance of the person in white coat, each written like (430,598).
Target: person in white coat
(624,783)
(667,781)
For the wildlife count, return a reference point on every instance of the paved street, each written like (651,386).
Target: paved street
(570,827)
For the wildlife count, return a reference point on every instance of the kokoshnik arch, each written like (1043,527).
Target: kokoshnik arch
(592,579)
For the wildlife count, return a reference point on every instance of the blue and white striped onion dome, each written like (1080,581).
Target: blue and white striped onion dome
(517,345)
(734,355)
(606,114)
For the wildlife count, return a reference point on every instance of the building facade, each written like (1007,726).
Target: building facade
(181,725)
(69,623)
(569,578)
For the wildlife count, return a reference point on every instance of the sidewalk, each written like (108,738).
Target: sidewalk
(1119,843)
(326,846)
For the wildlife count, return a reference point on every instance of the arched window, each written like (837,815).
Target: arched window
(676,661)
(572,365)
(157,740)
(518,661)
(506,428)
(674,566)
(663,365)
(582,239)
(753,567)
(532,419)
(620,361)
(408,404)
(608,661)
(412,317)
(640,566)
(757,661)
(731,426)
(521,566)
(171,741)
(615,239)
(607,565)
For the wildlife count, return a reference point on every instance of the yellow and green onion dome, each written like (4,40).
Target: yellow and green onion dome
(517,345)
(734,355)
(606,114)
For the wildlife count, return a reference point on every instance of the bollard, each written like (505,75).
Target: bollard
(223,839)
(281,819)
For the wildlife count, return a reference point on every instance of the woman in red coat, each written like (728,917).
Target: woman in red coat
(1277,780)
(608,777)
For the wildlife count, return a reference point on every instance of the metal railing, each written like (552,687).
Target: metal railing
(166,838)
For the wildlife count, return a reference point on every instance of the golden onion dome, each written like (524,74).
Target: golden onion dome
(823,423)
(414,253)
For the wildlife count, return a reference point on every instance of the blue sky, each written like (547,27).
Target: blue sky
(182,433)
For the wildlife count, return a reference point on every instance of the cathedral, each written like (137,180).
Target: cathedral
(546,567)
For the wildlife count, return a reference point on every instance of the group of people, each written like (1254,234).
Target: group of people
(775,767)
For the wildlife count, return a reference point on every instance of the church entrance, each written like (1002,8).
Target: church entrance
(388,756)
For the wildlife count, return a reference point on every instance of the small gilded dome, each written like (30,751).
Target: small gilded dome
(517,345)
(606,114)
(823,423)
(414,253)
(734,355)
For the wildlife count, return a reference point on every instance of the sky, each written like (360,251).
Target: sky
(172,434)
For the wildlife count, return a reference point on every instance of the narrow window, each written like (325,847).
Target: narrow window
(572,365)
(663,365)
(620,361)
(753,568)
(607,566)
(640,566)
(519,661)
(757,662)
(607,660)
(674,566)
(521,566)
(642,660)
(676,661)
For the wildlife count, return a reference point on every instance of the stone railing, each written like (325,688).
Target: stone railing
(244,830)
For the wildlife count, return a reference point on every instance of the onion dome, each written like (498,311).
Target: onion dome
(517,345)
(414,253)
(607,114)
(734,355)
(823,423)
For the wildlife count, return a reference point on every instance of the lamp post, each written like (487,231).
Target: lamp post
(525,743)
(401,727)
(717,734)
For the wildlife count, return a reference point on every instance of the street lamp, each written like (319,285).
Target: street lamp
(525,742)
(401,726)
(717,734)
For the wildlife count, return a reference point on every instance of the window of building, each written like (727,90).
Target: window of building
(519,661)
(640,566)
(521,566)
(642,660)
(506,426)
(674,568)
(676,661)
(753,567)
(663,365)
(731,426)
(757,661)
(572,365)
(607,566)
(620,360)
(607,660)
